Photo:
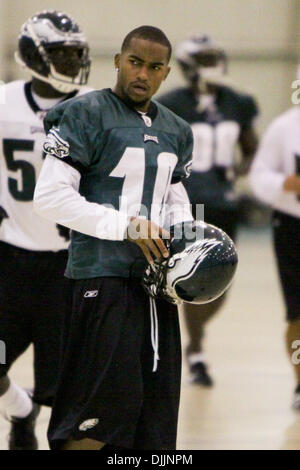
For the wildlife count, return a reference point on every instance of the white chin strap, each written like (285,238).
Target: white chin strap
(205,101)
(58,81)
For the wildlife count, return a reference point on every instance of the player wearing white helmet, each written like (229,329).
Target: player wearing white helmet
(54,50)
(33,251)
(203,63)
(220,118)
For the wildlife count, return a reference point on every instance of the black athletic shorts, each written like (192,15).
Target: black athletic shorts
(33,290)
(286,237)
(212,190)
(107,388)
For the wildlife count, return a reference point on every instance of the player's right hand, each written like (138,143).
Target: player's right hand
(292,184)
(149,237)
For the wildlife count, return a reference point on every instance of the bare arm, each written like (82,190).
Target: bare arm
(248,143)
(292,184)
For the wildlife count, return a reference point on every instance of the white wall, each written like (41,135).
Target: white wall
(249,24)
(261,37)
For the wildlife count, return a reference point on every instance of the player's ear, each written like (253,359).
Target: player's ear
(117,61)
(167,72)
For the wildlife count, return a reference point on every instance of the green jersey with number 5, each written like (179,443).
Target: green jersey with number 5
(127,160)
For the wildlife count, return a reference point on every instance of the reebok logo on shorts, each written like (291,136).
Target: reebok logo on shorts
(88,424)
(91,293)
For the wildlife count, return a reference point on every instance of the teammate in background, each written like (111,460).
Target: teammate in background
(112,155)
(275,180)
(33,251)
(220,118)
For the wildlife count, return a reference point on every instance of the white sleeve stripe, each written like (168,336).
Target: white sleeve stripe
(58,137)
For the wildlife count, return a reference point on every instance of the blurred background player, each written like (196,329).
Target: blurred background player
(33,251)
(275,179)
(220,118)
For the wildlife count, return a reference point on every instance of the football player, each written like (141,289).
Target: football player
(113,174)
(33,251)
(275,180)
(220,118)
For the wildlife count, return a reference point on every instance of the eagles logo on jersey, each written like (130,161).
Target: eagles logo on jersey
(188,168)
(43,44)
(198,273)
(118,167)
(55,145)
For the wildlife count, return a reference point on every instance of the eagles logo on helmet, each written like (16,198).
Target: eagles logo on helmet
(197,271)
(44,33)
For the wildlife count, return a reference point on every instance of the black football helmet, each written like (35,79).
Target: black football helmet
(198,270)
(40,36)
(202,59)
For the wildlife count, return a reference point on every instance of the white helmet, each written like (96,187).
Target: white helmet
(201,58)
(52,29)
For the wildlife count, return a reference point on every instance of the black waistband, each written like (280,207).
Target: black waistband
(13,250)
(286,217)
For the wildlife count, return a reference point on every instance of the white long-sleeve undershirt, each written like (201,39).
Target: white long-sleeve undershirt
(57,198)
(275,160)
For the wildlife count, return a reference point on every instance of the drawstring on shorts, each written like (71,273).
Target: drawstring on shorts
(154,332)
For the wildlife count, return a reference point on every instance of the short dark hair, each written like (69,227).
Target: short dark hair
(149,33)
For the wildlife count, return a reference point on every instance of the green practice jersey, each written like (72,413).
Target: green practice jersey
(216,132)
(127,161)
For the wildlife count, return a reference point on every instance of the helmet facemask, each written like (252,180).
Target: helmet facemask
(210,68)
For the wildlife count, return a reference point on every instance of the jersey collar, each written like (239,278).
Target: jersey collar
(152,110)
(33,105)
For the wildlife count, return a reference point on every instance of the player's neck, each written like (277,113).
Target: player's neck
(44,90)
(143,107)
(199,89)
